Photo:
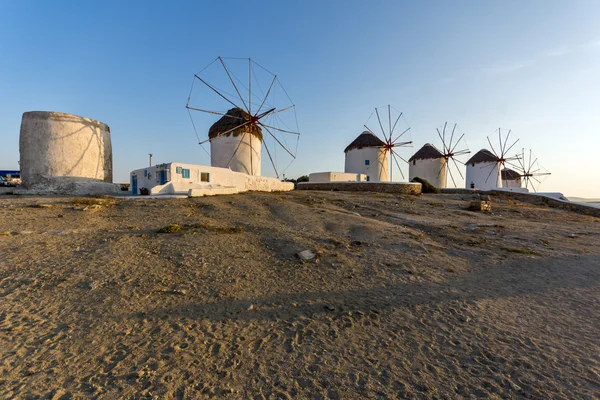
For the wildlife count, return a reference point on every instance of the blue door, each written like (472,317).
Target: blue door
(163,177)
(134,189)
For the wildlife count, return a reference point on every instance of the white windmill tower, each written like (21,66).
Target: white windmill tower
(428,163)
(370,155)
(234,146)
(483,171)
(366,155)
(433,165)
(484,168)
(511,179)
(255,112)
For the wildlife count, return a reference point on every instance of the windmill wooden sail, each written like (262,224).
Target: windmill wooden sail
(255,110)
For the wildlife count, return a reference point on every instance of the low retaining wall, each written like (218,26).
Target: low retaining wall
(71,186)
(212,191)
(472,191)
(458,191)
(266,184)
(541,200)
(244,183)
(381,187)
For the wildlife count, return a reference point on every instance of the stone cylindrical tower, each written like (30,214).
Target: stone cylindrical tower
(57,147)
(234,146)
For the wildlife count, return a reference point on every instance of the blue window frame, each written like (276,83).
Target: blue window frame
(178,170)
(367,162)
(145,173)
(185,173)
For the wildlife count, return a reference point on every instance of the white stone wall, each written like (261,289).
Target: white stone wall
(378,168)
(58,147)
(429,170)
(514,189)
(149,178)
(323,177)
(478,174)
(246,158)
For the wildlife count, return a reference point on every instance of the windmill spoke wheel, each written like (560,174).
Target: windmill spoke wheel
(255,111)
(502,158)
(394,137)
(451,151)
(531,172)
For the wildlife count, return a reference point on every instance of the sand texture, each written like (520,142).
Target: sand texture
(407,297)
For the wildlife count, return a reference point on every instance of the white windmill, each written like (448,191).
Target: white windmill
(255,112)
(370,155)
(484,168)
(428,163)
(434,165)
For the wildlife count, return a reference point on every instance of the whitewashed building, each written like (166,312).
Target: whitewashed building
(428,163)
(483,171)
(235,165)
(510,178)
(238,149)
(367,155)
(325,177)
(199,180)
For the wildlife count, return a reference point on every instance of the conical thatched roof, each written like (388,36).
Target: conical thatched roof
(510,175)
(365,139)
(238,117)
(482,156)
(427,152)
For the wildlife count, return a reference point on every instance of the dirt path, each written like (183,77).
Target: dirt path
(409,297)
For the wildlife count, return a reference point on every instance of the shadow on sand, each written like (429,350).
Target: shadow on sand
(516,278)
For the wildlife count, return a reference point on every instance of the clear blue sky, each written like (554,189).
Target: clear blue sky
(531,66)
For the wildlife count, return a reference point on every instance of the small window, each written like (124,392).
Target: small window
(185,172)
(145,173)
(368,179)
(367,162)
(178,170)
(414,162)
(204,177)
(472,165)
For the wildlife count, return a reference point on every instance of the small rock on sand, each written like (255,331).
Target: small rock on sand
(480,206)
(306,255)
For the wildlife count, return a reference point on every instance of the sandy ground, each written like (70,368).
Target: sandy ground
(409,297)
